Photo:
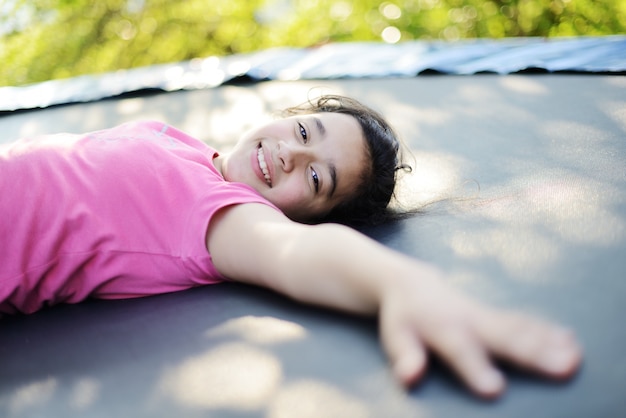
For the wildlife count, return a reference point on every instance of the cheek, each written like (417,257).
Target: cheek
(288,201)
(291,199)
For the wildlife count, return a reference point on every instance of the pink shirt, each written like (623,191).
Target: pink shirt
(117,213)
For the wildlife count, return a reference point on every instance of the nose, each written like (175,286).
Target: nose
(290,155)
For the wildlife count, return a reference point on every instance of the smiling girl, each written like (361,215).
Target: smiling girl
(144,208)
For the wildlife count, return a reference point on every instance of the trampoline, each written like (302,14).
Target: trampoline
(540,161)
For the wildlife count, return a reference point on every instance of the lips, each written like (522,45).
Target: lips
(263,166)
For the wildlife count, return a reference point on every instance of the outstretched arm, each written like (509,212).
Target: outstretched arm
(336,267)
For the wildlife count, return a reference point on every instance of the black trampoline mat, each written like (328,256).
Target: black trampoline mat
(541,161)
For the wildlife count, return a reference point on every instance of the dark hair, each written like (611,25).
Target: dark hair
(369,204)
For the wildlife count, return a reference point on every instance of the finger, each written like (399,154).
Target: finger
(409,364)
(464,353)
(405,352)
(531,344)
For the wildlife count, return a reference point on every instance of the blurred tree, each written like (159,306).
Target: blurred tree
(47,39)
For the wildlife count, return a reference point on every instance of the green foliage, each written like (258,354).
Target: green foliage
(47,39)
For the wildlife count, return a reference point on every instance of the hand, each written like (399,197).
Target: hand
(425,314)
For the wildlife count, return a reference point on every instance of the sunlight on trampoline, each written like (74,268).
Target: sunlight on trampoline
(533,216)
(616,111)
(226,122)
(233,376)
(28,128)
(84,393)
(33,395)
(568,205)
(279,95)
(575,210)
(260,330)
(522,252)
(314,399)
(525,85)
(433,176)
(130,106)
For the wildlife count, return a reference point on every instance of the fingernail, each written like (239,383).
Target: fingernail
(406,366)
(556,361)
(490,381)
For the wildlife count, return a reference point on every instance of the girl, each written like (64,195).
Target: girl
(144,209)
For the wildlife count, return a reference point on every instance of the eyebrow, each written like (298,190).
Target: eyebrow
(321,129)
(320,126)
(333,179)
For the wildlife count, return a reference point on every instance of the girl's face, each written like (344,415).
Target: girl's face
(304,164)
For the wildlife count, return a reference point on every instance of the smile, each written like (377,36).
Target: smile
(263,166)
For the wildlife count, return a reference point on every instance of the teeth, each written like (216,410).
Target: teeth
(263,165)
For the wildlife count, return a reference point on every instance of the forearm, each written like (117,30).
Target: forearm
(337,267)
(328,265)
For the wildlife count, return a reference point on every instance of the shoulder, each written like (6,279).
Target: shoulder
(244,237)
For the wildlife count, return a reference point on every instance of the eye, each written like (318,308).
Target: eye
(303,134)
(316,180)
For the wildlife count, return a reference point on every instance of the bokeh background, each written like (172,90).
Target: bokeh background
(50,39)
